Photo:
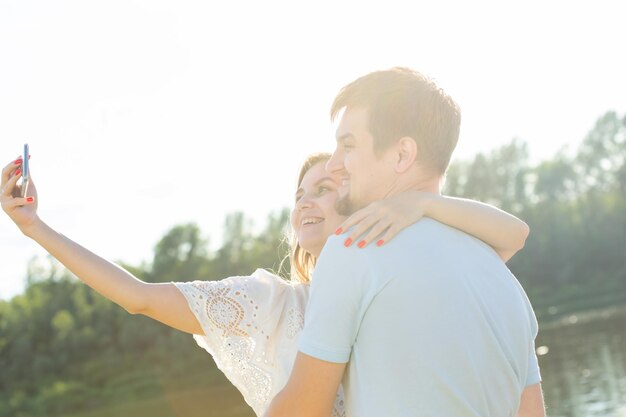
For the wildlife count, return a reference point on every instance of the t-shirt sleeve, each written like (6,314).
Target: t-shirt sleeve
(533,374)
(341,289)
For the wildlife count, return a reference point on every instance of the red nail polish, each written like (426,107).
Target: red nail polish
(17,172)
(380,242)
(361,244)
(339,231)
(18,161)
(30,199)
(347,243)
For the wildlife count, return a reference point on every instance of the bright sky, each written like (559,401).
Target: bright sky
(146,114)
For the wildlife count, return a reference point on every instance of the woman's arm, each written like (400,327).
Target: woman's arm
(499,229)
(162,302)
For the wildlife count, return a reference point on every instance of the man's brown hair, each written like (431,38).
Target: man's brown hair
(400,103)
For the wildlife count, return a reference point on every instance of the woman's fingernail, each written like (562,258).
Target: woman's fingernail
(361,244)
(347,242)
(18,161)
(30,199)
(339,231)
(17,172)
(380,242)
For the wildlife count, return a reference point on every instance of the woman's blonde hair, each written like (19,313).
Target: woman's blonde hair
(303,262)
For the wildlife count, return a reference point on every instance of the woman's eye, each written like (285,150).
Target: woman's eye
(323,189)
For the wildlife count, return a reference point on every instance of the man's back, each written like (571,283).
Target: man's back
(433,324)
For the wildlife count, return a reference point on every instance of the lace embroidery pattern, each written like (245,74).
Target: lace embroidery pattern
(227,312)
(295,323)
(339,408)
(236,361)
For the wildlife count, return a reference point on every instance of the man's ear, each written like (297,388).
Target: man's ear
(406,153)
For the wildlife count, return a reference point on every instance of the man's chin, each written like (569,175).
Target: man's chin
(344,205)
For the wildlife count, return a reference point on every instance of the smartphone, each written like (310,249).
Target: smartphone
(25,171)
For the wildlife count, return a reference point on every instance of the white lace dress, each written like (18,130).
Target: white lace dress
(251,326)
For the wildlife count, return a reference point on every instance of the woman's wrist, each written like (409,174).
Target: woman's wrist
(32,229)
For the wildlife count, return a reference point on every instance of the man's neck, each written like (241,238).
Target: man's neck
(425,183)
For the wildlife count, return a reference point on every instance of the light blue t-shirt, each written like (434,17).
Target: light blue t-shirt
(432,323)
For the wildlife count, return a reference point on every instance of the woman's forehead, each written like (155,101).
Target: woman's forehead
(316,174)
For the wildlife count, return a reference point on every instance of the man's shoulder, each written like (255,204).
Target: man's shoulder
(429,230)
(424,241)
(335,248)
(334,242)
(343,263)
(428,238)
(426,231)
(428,225)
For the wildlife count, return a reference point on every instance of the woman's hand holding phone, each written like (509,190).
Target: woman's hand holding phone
(19,202)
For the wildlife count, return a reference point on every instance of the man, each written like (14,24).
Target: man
(430,324)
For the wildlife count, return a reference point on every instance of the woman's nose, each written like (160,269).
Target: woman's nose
(303,203)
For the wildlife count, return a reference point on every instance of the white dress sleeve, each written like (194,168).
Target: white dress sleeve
(251,325)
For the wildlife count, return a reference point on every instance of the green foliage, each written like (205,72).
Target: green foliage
(242,253)
(575,257)
(64,349)
(180,255)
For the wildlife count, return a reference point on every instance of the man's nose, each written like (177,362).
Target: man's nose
(335,163)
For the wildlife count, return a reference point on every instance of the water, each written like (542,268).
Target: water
(583,365)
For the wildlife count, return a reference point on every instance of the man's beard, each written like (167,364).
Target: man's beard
(345,205)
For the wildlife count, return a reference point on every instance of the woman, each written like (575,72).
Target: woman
(250,324)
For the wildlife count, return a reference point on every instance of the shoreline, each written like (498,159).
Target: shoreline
(583,317)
